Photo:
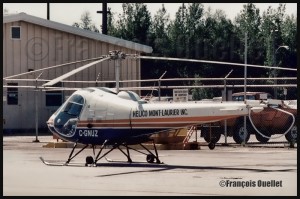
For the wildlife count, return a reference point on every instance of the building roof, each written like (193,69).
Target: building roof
(77,31)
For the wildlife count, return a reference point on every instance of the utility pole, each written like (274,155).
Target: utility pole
(48,11)
(226,98)
(245,89)
(275,72)
(36,110)
(104,13)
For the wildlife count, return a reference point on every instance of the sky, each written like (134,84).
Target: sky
(68,13)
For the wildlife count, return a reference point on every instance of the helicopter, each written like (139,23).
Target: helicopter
(110,117)
(119,117)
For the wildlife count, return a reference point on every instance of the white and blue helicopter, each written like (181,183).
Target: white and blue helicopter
(116,117)
(101,116)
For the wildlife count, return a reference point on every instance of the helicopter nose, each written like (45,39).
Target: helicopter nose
(50,124)
(50,121)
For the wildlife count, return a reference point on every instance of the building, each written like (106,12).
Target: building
(31,43)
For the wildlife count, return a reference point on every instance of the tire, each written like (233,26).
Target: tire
(211,145)
(150,158)
(291,136)
(214,136)
(239,132)
(89,160)
(262,139)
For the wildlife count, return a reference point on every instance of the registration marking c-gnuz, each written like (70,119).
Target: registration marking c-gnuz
(88,133)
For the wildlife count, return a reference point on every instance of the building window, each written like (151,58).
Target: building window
(111,85)
(54,98)
(12,94)
(15,32)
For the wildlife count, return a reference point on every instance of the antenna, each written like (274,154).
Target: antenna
(97,79)
(160,85)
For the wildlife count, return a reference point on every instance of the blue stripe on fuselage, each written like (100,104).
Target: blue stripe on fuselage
(98,136)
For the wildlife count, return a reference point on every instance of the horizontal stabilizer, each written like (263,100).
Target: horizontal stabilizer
(231,109)
(257,109)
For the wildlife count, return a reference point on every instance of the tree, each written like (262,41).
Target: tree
(111,29)
(289,37)
(86,22)
(218,35)
(190,23)
(160,41)
(178,32)
(142,22)
(134,23)
(159,32)
(194,29)
(249,21)
(202,34)
(289,59)
(278,30)
(201,93)
(186,29)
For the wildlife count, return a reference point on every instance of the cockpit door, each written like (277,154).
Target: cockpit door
(91,112)
(110,116)
(103,114)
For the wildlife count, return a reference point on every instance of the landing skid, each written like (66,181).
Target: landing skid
(61,163)
(111,160)
(122,161)
(92,161)
(54,163)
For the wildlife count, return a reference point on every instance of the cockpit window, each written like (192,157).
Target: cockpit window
(250,97)
(74,105)
(77,99)
(241,98)
(73,108)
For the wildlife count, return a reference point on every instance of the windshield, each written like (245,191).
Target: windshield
(67,117)
(241,98)
(74,105)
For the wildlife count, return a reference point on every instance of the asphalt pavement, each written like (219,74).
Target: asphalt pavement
(227,170)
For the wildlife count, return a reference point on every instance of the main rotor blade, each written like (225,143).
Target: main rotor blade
(54,81)
(51,67)
(43,88)
(214,62)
